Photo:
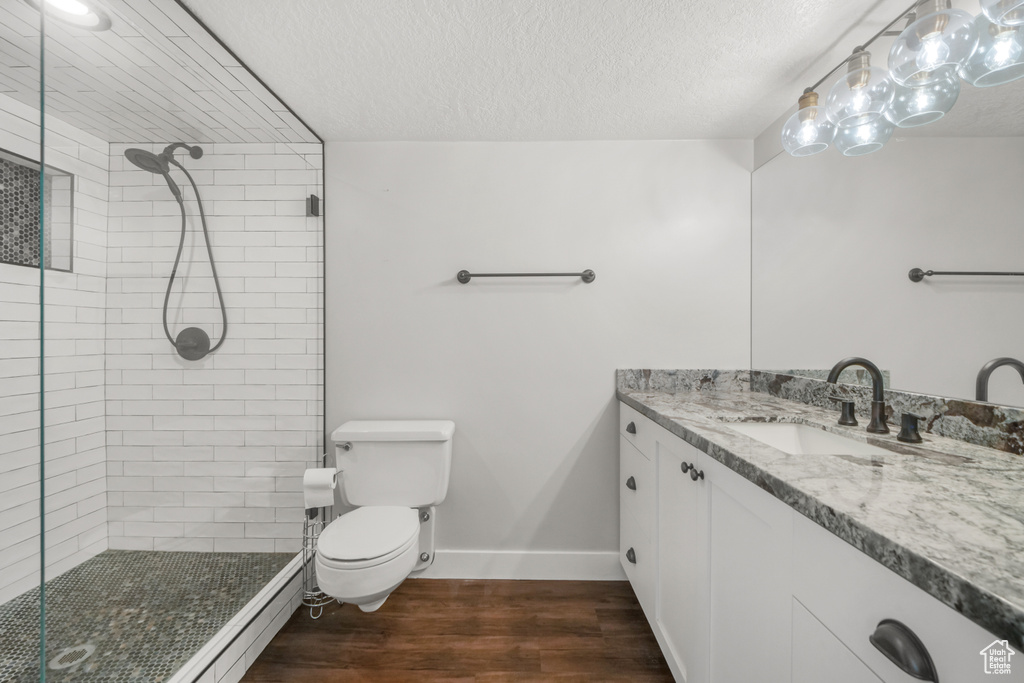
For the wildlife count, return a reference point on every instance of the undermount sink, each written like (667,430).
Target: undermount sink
(800,439)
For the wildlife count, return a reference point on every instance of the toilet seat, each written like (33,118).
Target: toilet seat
(368,536)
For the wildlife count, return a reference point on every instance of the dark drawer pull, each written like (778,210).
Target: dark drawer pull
(631,484)
(695,475)
(631,556)
(904,649)
(685,467)
(631,428)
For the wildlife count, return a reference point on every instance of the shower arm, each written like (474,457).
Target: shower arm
(209,253)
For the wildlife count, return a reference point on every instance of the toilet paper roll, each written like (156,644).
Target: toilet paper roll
(318,487)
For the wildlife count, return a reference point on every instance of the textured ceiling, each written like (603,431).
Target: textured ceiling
(545,69)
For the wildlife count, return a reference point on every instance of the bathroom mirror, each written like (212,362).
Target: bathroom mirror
(834,237)
(20,192)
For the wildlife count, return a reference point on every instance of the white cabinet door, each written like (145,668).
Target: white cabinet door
(682,562)
(750,563)
(818,656)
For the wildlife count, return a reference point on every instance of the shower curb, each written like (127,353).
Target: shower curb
(227,655)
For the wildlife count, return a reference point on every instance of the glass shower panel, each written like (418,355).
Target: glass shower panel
(183,358)
(23,189)
(161,280)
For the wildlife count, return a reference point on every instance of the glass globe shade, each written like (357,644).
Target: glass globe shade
(998,57)
(861,95)
(924,104)
(807,132)
(934,46)
(855,141)
(1004,12)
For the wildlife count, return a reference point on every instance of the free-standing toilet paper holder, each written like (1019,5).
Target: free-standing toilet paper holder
(313,522)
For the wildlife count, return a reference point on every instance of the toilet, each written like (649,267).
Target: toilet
(394,472)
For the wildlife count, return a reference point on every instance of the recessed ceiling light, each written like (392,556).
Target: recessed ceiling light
(79,13)
(70,6)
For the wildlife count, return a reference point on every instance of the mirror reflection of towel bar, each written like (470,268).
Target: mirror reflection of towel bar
(465,276)
(916,274)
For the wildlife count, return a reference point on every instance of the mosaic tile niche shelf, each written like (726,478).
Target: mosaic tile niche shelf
(128,615)
(19,214)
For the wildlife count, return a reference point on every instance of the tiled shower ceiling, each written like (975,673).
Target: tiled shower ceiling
(156,75)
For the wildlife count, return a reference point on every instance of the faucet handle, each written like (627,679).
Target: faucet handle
(909,429)
(846,416)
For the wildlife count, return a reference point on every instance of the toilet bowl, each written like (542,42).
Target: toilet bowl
(365,554)
(394,472)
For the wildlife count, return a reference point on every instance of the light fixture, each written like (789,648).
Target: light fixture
(923,104)
(809,130)
(856,141)
(78,13)
(998,57)
(939,42)
(861,95)
(1004,12)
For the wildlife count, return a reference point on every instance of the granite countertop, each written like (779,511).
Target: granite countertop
(948,516)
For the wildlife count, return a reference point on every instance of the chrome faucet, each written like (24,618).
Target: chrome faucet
(981,387)
(877,424)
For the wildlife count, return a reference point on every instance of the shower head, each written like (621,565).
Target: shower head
(158,164)
(148,161)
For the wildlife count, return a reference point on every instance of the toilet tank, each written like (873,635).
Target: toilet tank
(394,462)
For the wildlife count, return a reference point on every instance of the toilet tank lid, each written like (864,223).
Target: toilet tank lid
(394,430)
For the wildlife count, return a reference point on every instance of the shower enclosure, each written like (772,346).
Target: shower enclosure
(161,346)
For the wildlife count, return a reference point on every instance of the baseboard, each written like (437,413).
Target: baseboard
(512,564)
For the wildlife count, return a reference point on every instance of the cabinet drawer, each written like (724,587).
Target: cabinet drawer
(637,429)
(850,594)
(637,471)
(819,656)
(639,571)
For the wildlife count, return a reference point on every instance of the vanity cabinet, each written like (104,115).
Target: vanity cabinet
(722,552)
(739,587)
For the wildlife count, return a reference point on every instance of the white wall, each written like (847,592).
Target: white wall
(208,455)
(526,368)
(75,449)
(834,238)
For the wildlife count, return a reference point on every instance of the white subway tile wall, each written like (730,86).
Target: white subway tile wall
(76,513)
(208,455)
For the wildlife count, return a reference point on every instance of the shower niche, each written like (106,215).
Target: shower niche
(22,194)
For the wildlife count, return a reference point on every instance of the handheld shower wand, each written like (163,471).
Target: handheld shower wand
(192,343)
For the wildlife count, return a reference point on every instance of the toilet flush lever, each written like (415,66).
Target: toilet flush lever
(346,446)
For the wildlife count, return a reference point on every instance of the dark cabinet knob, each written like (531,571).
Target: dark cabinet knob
(631,556)
(685,467)
(631,428)
(631,484)
(695,475)
(904,649)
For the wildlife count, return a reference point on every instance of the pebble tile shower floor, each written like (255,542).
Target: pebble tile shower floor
(146,613)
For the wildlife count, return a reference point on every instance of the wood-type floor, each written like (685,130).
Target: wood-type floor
(433,630)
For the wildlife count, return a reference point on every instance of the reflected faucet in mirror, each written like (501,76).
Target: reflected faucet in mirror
(981,386)
(877,424)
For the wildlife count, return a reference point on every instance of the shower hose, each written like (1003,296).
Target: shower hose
(177,260)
